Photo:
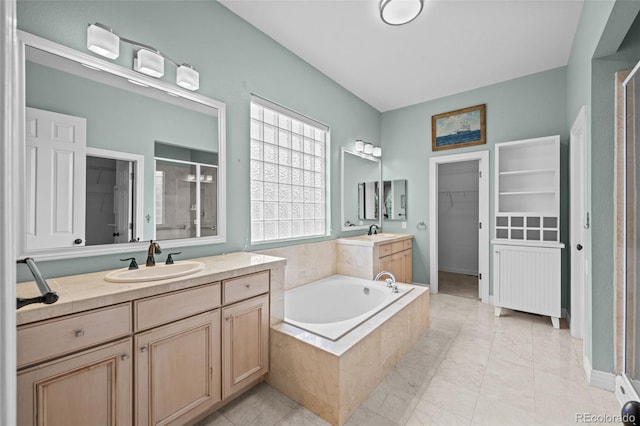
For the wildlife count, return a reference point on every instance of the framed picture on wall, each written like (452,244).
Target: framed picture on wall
(456,129)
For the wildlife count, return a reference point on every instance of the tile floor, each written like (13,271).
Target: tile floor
(458,284)
(469,368)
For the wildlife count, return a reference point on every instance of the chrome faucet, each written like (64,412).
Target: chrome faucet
(371,227)
(154,248)
(391,281)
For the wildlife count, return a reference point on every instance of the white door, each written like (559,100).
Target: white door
(122,202)
(483,216)
(578,223)
(55,179)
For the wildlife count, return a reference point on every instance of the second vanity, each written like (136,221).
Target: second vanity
(165,352)
(364,256)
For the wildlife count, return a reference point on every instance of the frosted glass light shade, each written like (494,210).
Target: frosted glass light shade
(368,148)
(359,146)
(187,77)
(399,12)
(149,63)
(103,41)
(377,151)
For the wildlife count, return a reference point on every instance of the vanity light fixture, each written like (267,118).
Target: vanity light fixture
(368,148)
(187,77)
(149,63)
(377,151)
(103,41)
(359,145)
(148,60)
(400,12)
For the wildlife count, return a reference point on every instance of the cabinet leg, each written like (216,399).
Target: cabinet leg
(498,311)
(555,322)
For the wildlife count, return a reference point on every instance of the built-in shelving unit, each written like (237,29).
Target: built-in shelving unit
(527,190)
(526,258)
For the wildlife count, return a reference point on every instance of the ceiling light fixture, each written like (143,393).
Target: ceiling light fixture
(400,12)
(148,60)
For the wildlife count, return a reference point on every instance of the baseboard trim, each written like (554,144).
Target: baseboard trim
(458,271)
(625,391)
(597,378)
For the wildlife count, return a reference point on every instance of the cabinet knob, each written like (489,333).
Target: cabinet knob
(248,285)
(79,333)
(124,357)
(77,241)
(143,349)
(579,247)
(228,318)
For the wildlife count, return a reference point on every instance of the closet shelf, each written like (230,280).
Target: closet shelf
(527,172)
(528,193)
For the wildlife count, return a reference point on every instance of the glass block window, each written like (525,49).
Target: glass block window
(288,174)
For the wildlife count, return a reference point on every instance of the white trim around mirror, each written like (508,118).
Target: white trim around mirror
(27,39)
(343,227)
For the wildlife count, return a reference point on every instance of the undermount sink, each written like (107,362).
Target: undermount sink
(153,273)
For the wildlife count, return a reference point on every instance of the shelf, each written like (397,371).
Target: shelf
(528,193)
(527,172)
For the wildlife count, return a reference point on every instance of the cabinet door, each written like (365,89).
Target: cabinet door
(408,266)
(245,343)
(92,387)
(178,370)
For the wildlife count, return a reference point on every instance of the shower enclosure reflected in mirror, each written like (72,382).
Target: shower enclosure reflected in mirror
(361,193)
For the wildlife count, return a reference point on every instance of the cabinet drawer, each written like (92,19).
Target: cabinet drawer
(406,244)
(44,340)
(385,250)
(244,287)
(397,247)
(176,305)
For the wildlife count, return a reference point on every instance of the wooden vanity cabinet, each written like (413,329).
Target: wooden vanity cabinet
(189,352)
(396,258)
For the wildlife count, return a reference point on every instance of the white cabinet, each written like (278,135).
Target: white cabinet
(526,273)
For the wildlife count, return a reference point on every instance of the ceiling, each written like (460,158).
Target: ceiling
(452,47)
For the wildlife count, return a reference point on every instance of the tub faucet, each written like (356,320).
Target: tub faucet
(391,281)
(154,248)
(371,227)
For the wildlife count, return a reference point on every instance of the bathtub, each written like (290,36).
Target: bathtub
(339,338)
(333,306)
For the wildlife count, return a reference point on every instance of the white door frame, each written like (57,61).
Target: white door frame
(8,174)
(577,222)
(483,216)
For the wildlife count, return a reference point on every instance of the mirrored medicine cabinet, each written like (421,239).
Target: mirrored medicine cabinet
(361,190)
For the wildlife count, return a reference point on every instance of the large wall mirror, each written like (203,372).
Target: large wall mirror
(113,158)
(361,190)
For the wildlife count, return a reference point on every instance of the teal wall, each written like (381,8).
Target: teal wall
(527,107)
(595,57)
(234,60)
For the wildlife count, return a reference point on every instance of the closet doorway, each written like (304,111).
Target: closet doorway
(459,224)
